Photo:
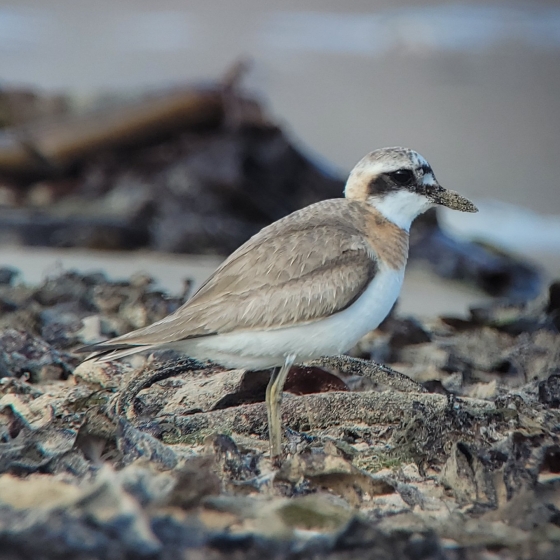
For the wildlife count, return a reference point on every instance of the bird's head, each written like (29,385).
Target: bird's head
(400,184)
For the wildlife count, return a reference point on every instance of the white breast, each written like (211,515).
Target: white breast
(331,336)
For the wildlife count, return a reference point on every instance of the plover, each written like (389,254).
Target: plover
(309,285)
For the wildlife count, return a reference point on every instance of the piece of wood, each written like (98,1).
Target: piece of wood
(53,144)
(322,410)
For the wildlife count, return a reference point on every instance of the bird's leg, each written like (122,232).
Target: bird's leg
(269,407)
(273,405)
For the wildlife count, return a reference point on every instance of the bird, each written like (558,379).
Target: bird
(311,284)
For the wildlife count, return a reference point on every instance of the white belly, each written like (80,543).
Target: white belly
(331,336)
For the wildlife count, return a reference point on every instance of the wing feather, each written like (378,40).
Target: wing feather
(295,271)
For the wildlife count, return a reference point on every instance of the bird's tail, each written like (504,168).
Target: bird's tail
(107,352)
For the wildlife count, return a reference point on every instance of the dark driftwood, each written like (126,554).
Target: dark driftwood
(194,391)
(321,410)
(56,143)
(207,171)
(380,374)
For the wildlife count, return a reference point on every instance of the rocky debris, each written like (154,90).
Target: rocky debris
(167,457)
(71,309)
(25,355)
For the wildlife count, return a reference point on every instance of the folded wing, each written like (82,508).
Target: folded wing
(295,271)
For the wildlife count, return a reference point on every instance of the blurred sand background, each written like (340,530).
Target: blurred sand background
(475,87)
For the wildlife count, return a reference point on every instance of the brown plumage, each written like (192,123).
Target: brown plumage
(302,268)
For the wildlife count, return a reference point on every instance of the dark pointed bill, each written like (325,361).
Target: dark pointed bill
(451,199)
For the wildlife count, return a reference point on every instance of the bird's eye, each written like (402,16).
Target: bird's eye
(402,176)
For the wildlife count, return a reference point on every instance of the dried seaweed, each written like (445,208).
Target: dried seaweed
(167,458)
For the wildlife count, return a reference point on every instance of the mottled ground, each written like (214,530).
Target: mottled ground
(168,458)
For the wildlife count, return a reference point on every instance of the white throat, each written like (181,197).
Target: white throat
(401,207)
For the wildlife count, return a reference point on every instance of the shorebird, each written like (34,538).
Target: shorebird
(309,285)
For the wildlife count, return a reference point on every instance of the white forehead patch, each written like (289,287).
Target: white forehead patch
(418,160)
(429,179)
